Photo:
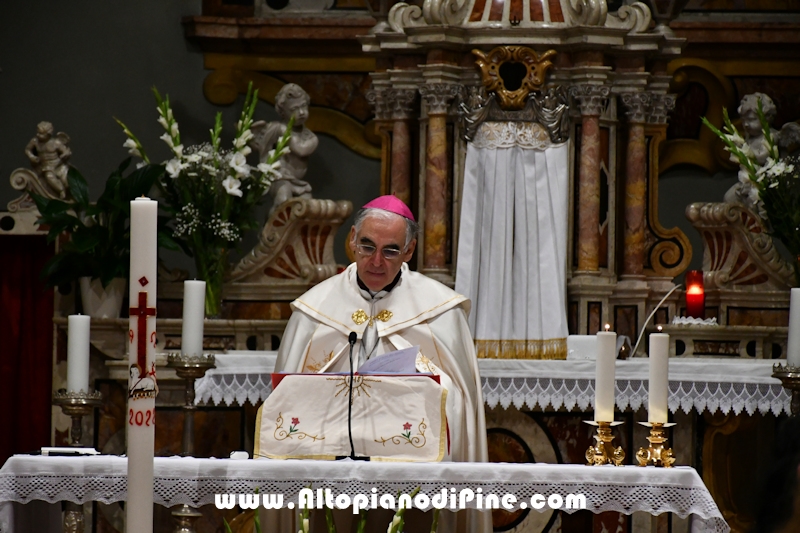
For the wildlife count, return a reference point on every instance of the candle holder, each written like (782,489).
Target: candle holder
(656,454)
(77,405)
(189,368)
(790,379)
(603,451)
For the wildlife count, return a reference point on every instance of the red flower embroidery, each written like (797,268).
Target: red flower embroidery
(295,421)
(406,426)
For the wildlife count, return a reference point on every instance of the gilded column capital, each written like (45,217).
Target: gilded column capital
(661,105)
(637,105)
(438,96)
(377,98)
(400,103)
(592,99)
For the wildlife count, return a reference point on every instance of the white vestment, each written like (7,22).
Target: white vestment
(417,311)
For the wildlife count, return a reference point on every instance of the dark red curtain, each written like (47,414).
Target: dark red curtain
(26,345)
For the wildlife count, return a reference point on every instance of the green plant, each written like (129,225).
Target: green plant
(99,232)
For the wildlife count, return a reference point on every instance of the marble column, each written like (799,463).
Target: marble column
(592,100)
(401,102)
(437,97)
(635,184)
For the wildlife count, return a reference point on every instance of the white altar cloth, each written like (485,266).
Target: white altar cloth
(194,482)
(729,385)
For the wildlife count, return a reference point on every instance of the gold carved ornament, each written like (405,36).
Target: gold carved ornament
(360,316)
(503,65)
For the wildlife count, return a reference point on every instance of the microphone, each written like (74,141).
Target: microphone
(352,340)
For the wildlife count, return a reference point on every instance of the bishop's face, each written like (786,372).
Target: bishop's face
(378,239)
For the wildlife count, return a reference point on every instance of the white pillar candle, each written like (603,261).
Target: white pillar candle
(78,353)
(194,302)
(659,378)
(604,385)
(142,387)
(793,345)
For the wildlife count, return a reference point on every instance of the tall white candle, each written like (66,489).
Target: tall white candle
(793,345)
(78,353)
(659,378)
(604,385)
(142,388)
(194,302)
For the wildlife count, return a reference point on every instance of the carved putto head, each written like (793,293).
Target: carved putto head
(748,111)
(44,129)
(292,100)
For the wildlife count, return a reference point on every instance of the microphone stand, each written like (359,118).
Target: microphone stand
(352,340)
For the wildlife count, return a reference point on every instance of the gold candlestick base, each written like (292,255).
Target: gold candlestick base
(656,454)
(790,379)
(603,451)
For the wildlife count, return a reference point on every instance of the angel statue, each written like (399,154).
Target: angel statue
(744,192)
(49,157)
(291,101)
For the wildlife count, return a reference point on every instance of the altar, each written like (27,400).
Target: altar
(196,482)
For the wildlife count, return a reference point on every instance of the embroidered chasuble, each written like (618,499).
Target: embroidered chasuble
(512,247)
(417,311)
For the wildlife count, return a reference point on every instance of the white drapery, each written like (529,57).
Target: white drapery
(512,247)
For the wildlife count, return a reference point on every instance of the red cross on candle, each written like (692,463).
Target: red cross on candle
(142,312)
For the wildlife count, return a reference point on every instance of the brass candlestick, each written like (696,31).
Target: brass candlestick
(790,379)
(77,405)
(603,451)
(189,368)
(656,454)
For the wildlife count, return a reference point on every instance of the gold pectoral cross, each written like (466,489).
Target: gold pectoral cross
(360,316)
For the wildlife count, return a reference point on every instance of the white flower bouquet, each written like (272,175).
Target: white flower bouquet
(212,192)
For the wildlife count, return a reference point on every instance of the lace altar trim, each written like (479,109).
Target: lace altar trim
(526,135)
(233,388)
(625,490)
(698,395)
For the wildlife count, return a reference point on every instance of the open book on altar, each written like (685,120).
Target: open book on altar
(395,417)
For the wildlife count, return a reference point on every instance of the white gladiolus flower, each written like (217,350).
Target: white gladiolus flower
(130,144)
(268,169)
(174,129)
(163,122)
(174,167)
(167,138)
(735,138)
(239,164)
(306,526)
(193,158)
(748,151)
(178,150)
(232,185)
(140,164)
(744,176)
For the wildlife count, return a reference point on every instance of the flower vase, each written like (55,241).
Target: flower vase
(211,268)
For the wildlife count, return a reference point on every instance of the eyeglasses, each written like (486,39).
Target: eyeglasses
(367,250)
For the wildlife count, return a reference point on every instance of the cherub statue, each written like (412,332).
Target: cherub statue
(49,157)
(744,192)
(290,101)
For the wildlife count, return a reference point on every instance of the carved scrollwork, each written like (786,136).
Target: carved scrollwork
(661,105)
(586,12)
(491,66)
(635,18)
(636,106)
(438,96)
(738,251)
(296,244)
(592,99)
(403,15)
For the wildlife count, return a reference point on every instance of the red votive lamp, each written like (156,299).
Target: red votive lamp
(695,294)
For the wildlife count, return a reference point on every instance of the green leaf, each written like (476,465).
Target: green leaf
(227,526)
(84,241)
(78,187)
